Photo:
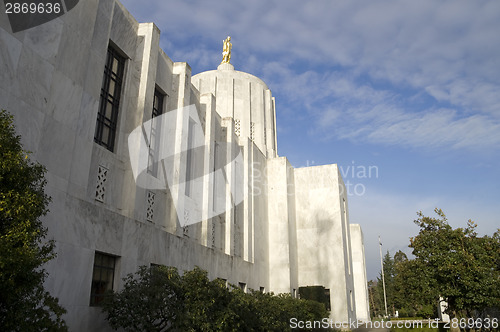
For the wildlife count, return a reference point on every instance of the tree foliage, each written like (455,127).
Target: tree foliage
(209,305)
(24,303)
(192,302)
(316,293)
(397,288)
(151,301)
(374,299)
(455,264)
(411,295)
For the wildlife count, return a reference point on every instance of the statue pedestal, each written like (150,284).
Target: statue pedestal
(225,66)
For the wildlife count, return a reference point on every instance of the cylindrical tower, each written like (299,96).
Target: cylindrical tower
(247,100)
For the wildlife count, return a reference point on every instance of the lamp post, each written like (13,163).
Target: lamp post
(383,279)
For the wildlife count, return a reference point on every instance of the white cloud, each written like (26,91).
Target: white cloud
(328,117)
(359,58)
(478,96)
(341,108)
(439,128)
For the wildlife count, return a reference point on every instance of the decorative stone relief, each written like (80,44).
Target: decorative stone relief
(185,229)
(213,234)
(100,191)
(150,202)
(237,127)
(235,243)
(252,131)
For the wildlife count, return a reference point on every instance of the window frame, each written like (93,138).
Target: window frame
(108,118)
(190,158)
(158,95)
(96,294)
(153,143)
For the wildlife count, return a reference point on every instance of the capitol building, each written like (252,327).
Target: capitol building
(150,164)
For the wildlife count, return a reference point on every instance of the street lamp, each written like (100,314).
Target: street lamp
(383,279)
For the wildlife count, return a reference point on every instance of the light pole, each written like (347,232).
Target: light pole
(383,279)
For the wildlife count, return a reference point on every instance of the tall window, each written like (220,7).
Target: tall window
(157,103)
(154,138)
(214,192)
(348,240)
(107,116)
(102,277)
(190,157)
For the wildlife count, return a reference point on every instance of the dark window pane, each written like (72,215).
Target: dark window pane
(157,104)
(114,66)
(98,259)
(109,110)
(102,277)
(105,133)
(111,88)
(110,98)
(153,143)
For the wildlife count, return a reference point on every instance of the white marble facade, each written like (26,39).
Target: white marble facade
(290,230)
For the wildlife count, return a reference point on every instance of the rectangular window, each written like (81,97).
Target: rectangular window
(107,117)
(351,300)
(190,158)
(102,277)
(157,104)
(215,179)
(154,137)
(348,240)
(328,304)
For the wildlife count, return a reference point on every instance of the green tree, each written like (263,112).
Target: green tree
(374,296)
(411,293)
(274,312)
(152,300)
(400,257)
(455,264)
(24,303)
(157,299)
(207,303)
(405,307)
(211,306)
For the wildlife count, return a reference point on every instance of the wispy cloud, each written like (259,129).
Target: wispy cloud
(390,123)
(340,107)
(360,70)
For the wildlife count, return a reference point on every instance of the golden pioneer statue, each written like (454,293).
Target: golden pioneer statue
(226,50)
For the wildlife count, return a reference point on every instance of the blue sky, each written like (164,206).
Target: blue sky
(411,88)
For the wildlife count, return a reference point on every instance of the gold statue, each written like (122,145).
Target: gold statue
(226,50)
